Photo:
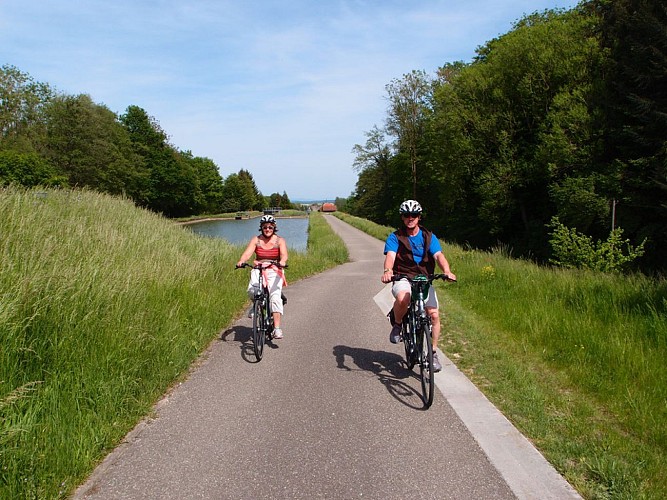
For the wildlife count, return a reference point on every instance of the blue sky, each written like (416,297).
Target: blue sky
(283,89)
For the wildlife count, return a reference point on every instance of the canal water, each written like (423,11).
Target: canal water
(239,232)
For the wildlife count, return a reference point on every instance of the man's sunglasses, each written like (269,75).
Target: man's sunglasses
(411,214)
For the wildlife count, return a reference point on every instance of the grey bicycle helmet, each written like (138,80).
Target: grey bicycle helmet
(268,219)
(410,207)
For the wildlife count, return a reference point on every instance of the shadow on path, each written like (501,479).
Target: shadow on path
(389,368)
(243,335)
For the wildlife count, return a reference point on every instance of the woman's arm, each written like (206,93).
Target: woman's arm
(247,253)
(283,251)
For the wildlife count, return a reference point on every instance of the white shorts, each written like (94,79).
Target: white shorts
(404,286)
(275,285)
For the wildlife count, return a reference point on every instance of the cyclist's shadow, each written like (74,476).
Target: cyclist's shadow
(388,367)
(243,335)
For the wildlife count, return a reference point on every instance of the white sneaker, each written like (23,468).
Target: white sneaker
(277,333)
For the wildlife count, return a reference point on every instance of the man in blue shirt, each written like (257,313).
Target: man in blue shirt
(413,250)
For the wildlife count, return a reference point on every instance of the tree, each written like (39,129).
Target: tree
(634,106)
(171,184)
(209,181)
(240,193)
(27,169)
(372,197)
(90,147)
(22,100)
(511,130)
(252,197)
(408,107)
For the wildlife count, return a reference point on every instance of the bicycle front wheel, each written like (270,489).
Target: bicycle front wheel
(409,342)
(426,366)
(258,329)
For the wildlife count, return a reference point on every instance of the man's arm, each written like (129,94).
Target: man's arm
(388,272)
(444,264)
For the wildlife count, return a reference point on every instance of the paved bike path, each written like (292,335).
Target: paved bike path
(330,412)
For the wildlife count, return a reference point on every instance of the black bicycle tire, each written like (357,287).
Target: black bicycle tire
(426,366)
(409,342)
(258,329)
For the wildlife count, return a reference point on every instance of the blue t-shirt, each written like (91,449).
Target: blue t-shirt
(417,244)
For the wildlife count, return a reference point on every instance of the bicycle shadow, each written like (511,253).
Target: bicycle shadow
(243,336)
(388,367)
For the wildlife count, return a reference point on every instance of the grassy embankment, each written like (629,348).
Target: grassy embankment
(103,306)
(576,360)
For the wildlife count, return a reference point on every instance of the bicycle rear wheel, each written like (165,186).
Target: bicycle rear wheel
(258,329)
(426,365)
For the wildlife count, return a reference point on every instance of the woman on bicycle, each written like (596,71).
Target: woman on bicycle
(268,247)
(413,250)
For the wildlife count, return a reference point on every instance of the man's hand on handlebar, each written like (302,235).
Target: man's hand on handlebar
(433,277)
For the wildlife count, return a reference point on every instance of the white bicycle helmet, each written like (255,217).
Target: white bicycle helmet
(268,219)
(410,207)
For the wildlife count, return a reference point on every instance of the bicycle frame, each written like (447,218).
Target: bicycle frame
(417,332)
(262,322)
(415,320)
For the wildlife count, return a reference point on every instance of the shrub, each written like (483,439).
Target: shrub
(575,250)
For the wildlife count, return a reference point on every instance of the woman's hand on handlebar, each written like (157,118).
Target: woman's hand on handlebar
(259,264)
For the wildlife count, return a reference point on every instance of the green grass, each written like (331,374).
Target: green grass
(102,307)
(576,360)
(375,230)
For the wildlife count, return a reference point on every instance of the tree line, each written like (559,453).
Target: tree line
(50,138)
(562,120)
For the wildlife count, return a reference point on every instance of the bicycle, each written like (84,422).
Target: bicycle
(262,316)
(416,330)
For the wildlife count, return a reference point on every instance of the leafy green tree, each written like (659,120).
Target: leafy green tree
(286,203)
(342,204)
(27,169)
(171,184)
(511,128)
(373,196)
(90,147)
(22,100)
(634,107)
(231,194)
(408,109)
(210,183)
(252,198)
(240,193)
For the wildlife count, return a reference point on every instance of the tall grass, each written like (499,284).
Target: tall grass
(375,230)
(578,359)
(102,307)
(575,359)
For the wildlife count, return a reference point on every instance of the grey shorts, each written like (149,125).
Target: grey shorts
(404,286)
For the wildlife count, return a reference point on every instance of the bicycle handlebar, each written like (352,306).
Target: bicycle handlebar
(262,265)
(431,278)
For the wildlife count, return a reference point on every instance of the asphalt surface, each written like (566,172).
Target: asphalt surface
(330,412)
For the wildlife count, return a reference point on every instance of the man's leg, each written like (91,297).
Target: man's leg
(435,333)
(401,304)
